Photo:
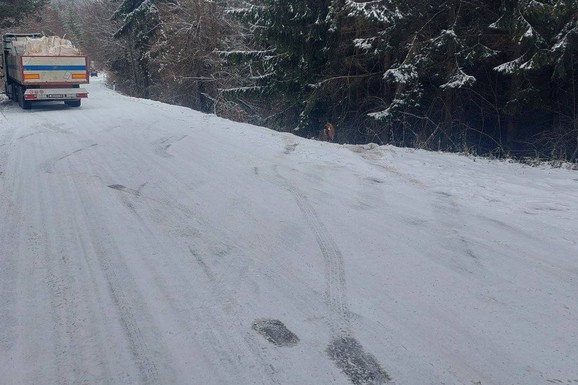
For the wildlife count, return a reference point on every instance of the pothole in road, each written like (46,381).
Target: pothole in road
(275,332)
(361,367)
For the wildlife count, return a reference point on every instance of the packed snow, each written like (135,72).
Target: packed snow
(143,243)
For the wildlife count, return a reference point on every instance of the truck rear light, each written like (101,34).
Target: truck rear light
(31,76)
(82,95)
(30,96)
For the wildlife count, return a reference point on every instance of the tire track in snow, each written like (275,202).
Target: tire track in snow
(361,367)
(335,285)
(8,272)
(208,323)
(143,339)
(334,267)
(375,156)
(452,220)
(129,304)
(58,326)
(48,166)
(163,144)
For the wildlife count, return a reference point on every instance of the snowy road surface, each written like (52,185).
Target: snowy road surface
(142,243)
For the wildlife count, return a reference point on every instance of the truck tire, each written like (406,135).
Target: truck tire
(73,103)
(25,104)
(12,94)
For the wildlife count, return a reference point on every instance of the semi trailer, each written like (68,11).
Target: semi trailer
(38,68)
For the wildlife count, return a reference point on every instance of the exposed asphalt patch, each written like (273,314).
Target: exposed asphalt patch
(275,332)
(361,367)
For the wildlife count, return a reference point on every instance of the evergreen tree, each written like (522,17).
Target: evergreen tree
(540,56)
(489,76)
(138,26)
(425,51)
(291,51)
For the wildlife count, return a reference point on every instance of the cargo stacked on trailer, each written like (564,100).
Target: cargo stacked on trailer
(39,68)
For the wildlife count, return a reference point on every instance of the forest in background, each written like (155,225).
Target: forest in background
(495,77)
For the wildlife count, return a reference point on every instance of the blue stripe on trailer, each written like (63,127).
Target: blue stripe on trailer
(54,68)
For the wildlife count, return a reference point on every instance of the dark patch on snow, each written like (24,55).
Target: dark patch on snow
(117,187)
(163,145)
(275,332)
(28,135)
(77,151)
(203,265)
(374,180)
(361,367)
(122,188)
(289,148)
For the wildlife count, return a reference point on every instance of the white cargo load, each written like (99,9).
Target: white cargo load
(45,46)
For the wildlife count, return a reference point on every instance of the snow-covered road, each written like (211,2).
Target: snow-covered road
(142,243)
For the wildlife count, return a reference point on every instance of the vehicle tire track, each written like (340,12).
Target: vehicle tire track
(127,302)
(375,156)
(361,367)
(452,220)
(49,165)
(144,343)
(163,144)
(335,289)
(220,345)
(8,272)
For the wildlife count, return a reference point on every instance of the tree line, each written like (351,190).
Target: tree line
(492,77)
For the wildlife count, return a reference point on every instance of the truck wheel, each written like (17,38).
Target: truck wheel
(73,103)
(25,104)
(13,93)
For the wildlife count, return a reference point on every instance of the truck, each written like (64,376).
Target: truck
(38,68)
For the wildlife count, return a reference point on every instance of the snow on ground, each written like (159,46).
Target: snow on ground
(142,243)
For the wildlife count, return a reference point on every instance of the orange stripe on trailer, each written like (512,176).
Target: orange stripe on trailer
(79,76)
(31,76)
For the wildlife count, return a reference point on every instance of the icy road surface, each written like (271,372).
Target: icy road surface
(142,243)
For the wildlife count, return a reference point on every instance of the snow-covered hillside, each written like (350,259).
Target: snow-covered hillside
(142,243)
